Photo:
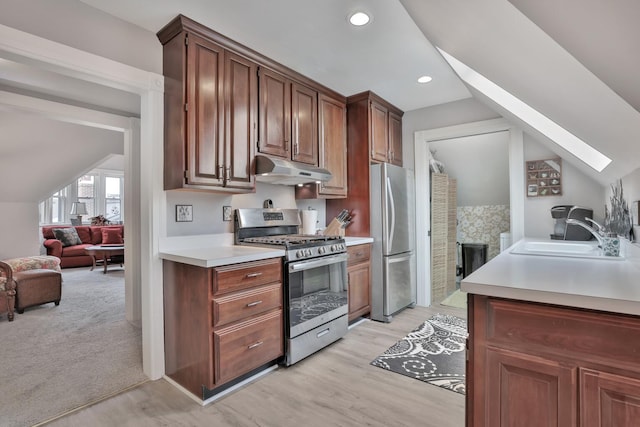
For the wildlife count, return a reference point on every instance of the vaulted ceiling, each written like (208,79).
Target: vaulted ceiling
(575,61)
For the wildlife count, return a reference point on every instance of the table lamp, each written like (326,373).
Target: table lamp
(78,209)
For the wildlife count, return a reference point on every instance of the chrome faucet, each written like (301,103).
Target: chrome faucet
(597,233)
(608,242)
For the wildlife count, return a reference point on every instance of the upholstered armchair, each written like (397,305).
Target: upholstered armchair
(7,290)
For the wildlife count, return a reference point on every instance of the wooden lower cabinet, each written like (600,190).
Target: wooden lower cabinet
(359,279)
(532,391)
(221,323)
(608,400)
(533,364)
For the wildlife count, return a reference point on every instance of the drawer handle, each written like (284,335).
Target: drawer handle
(359,254)
(322,333)
(252,275)
(258,344)
(253,304)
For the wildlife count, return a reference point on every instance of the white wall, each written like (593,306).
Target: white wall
(577,189)
(480,164)
(19,230)
(453,113)
(73,23)
(207,207)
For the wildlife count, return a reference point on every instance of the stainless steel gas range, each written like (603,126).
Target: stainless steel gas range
(315,279)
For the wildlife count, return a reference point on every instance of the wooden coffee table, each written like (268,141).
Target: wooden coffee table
(103,253)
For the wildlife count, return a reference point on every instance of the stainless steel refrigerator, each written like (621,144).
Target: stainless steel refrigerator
(393,259)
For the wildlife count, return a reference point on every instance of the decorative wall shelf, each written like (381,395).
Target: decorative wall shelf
(544,177)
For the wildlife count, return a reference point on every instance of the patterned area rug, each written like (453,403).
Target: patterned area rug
(433,353)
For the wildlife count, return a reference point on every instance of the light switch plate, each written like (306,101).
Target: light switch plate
(227,213)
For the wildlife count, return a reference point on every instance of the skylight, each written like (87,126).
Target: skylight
(532,117)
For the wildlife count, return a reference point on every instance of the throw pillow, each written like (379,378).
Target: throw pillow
(112,236)
(68,236)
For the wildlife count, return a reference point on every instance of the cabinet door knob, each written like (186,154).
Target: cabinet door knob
(228,174)
(220,173)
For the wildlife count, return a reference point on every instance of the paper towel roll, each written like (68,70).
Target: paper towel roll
(309,220)
(505,241)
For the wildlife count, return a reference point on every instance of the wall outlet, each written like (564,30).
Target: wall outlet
(227,213)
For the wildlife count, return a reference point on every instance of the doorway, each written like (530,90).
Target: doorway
(422,142)
(141,137)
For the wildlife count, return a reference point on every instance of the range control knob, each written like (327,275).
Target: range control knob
(321,250)
(299,254)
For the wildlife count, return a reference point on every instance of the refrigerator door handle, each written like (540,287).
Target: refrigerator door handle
(392,208)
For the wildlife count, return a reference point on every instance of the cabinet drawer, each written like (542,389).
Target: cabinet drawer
(241,305)
(247,345)
(358,254)
(562,331)
(235,277)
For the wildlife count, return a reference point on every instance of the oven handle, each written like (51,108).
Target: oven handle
(306,265)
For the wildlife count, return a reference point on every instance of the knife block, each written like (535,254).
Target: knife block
(334,228)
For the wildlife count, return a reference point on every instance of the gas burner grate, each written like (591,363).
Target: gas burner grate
(289,239)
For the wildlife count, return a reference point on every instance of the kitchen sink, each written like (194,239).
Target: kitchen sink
(562,248)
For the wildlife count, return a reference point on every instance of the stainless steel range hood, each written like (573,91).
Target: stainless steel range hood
(285,172)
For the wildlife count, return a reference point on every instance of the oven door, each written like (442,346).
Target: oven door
(316,292)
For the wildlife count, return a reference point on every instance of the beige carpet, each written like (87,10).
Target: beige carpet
(456,299)
(54,359)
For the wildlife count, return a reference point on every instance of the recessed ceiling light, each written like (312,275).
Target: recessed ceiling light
(424,79)
(359,19)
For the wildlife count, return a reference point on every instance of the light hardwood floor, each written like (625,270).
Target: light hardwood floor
(335,387)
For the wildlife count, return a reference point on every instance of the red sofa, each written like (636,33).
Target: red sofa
(75,256)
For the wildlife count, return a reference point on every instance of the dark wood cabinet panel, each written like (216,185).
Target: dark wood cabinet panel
(247,345)
(241,118)
(210,130)
(608,400)
(275,113)
(379,132)
(395,138)
(332,150)
(224,102)
(540,364)
(235,277)
(359,275)
(367,141)
(333,144)
(529,391)
(205,147)
(304,122)
(221,323)
(239,305)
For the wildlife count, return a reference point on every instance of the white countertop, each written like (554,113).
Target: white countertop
(605,285)
(216,250)
(212,250)
(215,256)
(353,241)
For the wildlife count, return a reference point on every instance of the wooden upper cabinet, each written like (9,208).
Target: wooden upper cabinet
(288,118)
(379,132)
(205,143)
(395,138)
(275,114)
(224,102)
(240,106)
(211,101)
(333,144)
(304,121)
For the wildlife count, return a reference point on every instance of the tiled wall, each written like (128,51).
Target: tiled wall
(483,224)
